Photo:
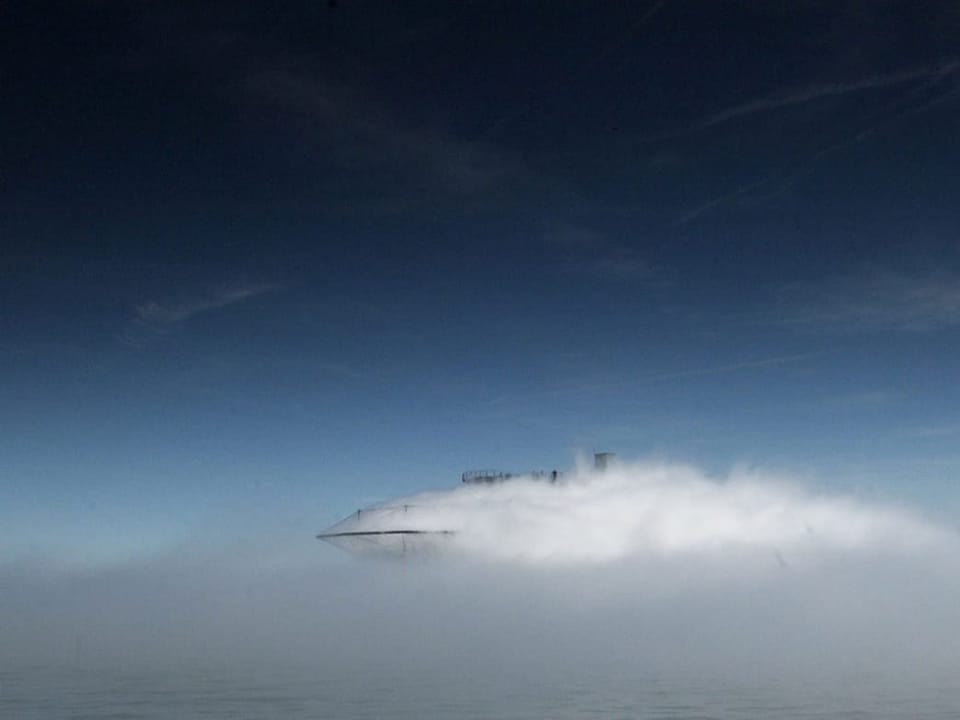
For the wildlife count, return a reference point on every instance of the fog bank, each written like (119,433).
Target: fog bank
(651,570)
(636,510)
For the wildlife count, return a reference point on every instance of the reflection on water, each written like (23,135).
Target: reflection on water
(46,692)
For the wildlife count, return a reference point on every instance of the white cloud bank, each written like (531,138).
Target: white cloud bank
(651,570)
(645,510)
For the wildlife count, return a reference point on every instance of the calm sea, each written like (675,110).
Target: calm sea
(38,692)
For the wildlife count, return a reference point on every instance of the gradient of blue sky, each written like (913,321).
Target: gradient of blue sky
(293,261)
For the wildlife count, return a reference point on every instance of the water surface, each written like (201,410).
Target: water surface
(44,692)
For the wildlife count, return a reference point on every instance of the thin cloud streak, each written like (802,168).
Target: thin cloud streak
(933,431)
(365,135)
(735,367)
(810,93)
(800,96)
(154,319)
(721,200)
(583,251)
(912,103)
(875,300)
(592,388)
(758,363)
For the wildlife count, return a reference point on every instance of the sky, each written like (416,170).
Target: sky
(264,266)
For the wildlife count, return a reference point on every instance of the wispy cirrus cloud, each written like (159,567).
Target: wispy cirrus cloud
(947,431)
(592,388)
(876,299)
(819,91)
(154,318)
(585,251)
(939,86)
(803,94)
(362,134)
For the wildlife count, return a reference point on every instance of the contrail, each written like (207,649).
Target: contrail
(803,95)
(816,92)
(894,112)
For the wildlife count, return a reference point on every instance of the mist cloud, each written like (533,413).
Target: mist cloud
(649,570)
(647,510)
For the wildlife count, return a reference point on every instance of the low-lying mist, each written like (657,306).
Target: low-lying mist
(648,510)
(647,570)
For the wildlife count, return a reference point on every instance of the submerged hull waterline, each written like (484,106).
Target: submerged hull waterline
(388,543)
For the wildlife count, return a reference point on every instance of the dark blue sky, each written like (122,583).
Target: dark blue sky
(309,256)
